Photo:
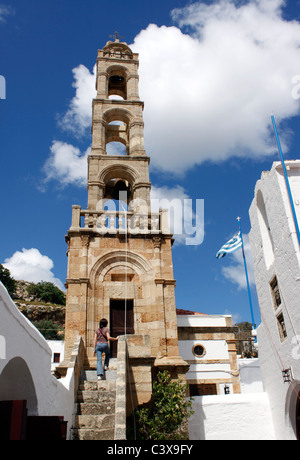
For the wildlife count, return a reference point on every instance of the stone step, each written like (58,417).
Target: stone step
(95,422)
(96,408)
(93,435)
(95,396)
(91,375)
(110,375)
(101,385)
(93,364)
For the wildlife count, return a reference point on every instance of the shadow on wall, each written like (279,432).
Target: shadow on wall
(16,383)
(197,421)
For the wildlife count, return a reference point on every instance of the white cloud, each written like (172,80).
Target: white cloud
(79,115)
(210,95)
(235,272)
(66,164)
(209,92)
(5,11)
(31,265)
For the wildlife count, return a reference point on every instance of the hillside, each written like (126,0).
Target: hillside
(38,311)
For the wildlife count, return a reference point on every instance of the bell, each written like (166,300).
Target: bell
(116,80)
(120,186)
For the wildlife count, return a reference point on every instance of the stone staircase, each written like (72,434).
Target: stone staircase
(95,407)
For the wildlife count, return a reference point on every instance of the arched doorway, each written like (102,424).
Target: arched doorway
(16,383)
(298,417)
(17,399)
(292,412)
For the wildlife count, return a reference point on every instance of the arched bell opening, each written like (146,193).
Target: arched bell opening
(118,178)
(115,148)
(117,82)
(117,87)
(117,131)
(117,138)
(118,189)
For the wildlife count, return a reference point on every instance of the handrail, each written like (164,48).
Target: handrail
(120,410)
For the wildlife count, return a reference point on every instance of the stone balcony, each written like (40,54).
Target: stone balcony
(120,222)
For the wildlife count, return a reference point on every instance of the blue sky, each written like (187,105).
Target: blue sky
(211,74)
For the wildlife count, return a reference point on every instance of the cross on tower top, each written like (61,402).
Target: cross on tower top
(116,36)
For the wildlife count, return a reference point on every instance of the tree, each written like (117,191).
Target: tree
(244,326)
(8,281)
(47,292)
(244,340)
(168,411)
(48,329)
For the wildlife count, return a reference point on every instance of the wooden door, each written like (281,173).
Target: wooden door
(117,321)
(201,389)
(13,419)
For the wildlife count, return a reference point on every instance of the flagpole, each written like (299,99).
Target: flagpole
(286,179)
(247,277)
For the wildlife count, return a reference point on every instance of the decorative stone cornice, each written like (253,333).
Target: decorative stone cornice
(165,282)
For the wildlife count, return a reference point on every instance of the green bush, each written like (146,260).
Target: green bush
(167,413)
(7,280)
(48,329)
(47,292)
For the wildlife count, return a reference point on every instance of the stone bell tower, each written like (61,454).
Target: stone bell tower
(120,259)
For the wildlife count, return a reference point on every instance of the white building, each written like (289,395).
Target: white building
(57,348)
(276,258)
(228,398)
(25,374)
(207,343)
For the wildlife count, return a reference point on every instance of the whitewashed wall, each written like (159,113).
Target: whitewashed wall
(231,417)
(202,320)
(56,346)
(250,376)
(25,366)
(275,251)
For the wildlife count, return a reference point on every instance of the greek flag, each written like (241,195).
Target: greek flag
(231,246)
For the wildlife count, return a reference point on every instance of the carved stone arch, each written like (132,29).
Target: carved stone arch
(122,171)
(115,68)
(119,177)
(118,69)
(118,114)
(115,258)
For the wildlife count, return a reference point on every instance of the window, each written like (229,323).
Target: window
(56,357)
(277,304)
(199,351)
(281,327)
(275,293)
